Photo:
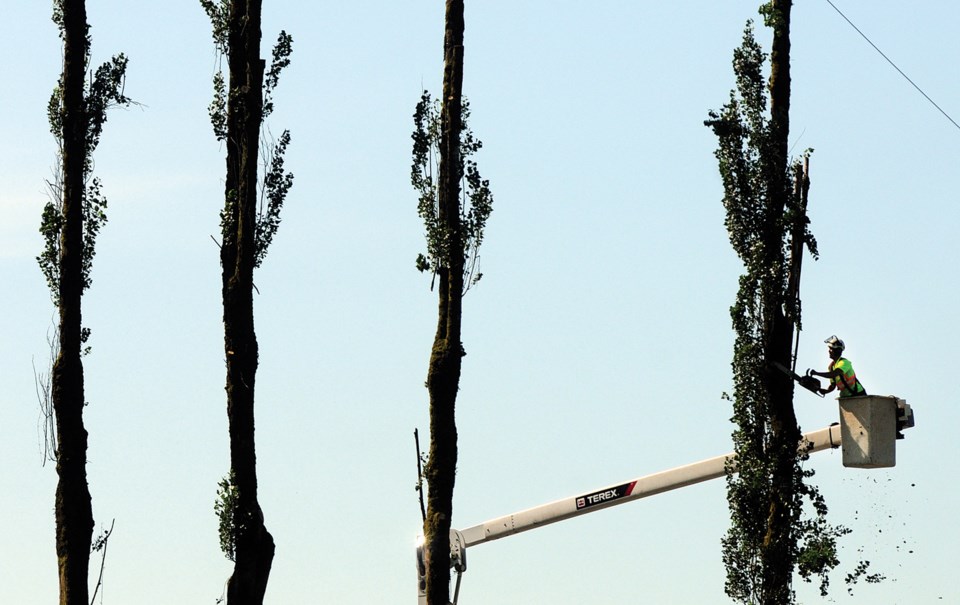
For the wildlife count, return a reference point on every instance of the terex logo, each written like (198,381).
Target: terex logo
(606,495)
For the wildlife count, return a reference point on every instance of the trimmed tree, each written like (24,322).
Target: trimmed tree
(454,218)
(249,220)
(77,112)
(771,534)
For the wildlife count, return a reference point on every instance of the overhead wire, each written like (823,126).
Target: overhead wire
(920,90)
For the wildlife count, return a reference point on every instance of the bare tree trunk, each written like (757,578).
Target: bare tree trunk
(254,544)
(443,378)
(73,509)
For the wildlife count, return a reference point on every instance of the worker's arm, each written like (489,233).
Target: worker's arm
(831,374)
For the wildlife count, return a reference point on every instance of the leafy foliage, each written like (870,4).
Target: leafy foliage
(276,181)
(103,91)
(281,59)
(276,184)
(57,16)
(219,13)
(94,217)
(476,201)
(761,229)
(106,90)
(225,508)
(51,224)
(228,217)
(218,107)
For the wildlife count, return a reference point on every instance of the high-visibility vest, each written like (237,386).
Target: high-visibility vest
(846,383)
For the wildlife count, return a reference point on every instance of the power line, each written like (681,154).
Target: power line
(927,97)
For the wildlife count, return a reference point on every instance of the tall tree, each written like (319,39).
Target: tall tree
(765,200)
(77,112)
(454,218)
(249,220)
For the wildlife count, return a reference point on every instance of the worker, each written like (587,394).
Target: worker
(840,373)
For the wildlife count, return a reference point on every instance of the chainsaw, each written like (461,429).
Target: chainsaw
(807,381)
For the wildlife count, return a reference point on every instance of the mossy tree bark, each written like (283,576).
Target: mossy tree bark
(254,544)
(73,510)
(443,377)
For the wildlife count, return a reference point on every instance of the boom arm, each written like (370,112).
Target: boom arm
(871,424)
(622,493)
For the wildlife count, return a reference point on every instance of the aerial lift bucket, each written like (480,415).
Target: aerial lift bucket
(869,428)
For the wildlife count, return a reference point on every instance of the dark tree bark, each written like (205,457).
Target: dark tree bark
(73,509)
(779,543)
(443,377)
(770,536)
(254,544)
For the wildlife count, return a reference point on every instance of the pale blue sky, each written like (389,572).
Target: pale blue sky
(598,341)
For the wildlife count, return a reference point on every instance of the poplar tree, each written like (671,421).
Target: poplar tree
(771,535)
(454,217)
(77,111)
(249,220)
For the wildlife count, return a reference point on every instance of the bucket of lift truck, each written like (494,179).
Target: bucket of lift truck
(869,429)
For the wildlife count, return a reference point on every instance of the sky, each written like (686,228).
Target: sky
(598,342)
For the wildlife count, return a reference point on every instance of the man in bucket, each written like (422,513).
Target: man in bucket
(841,374)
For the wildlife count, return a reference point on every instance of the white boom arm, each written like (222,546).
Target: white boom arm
(600,499)
(622,493)
(870,426)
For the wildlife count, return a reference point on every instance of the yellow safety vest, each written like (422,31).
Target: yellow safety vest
(846,383)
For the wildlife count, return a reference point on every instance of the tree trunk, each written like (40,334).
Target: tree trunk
(73,509)
(777,550)
(254,544)
(443,378)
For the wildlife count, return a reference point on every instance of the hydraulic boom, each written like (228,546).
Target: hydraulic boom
(857,452)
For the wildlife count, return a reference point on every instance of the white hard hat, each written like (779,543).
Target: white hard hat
(835,343)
